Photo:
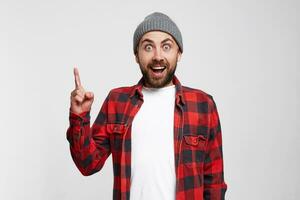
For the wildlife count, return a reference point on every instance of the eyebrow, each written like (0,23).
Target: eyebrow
(151,41)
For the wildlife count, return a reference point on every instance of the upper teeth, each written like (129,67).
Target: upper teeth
(158,67)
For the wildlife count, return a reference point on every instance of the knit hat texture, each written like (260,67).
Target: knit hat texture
(157,21)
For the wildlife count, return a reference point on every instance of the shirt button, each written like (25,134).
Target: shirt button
(195,140)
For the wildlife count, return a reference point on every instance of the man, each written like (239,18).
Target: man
(165,138)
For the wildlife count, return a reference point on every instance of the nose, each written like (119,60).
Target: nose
(157,55)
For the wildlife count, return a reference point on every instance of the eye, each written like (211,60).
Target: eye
(148,47)
(167,47)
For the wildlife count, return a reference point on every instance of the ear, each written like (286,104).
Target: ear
(179,56)
(136,58)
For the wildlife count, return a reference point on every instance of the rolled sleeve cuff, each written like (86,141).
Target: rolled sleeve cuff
(79,119)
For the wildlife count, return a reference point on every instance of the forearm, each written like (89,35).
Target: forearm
(88,154)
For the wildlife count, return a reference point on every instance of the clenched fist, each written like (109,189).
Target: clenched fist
(81,100)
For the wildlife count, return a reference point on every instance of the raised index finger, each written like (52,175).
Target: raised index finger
(77,78)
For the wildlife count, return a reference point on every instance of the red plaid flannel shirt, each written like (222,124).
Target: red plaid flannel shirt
(197,141)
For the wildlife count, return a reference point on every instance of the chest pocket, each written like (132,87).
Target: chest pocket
(116,128)
(116,132)
(193,149)
(197,141)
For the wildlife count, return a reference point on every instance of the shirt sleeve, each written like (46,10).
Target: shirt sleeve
(89,146)
(214,184)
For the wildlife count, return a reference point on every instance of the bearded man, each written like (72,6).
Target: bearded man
(165,138)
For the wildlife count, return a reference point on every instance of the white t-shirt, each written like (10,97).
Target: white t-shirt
(152,148)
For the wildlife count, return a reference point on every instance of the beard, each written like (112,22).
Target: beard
(161,82)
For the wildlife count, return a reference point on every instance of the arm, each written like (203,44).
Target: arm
(214,185)
(89,146)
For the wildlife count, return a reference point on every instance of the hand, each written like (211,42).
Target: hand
(81,100)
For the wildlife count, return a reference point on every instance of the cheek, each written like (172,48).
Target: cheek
(171,59)
(144,60)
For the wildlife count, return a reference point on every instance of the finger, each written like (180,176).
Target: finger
(77,92)
(77,78)
(89,95)
(78,99)
(74,95)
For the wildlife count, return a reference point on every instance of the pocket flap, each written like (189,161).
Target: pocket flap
(194,140)
(116,128)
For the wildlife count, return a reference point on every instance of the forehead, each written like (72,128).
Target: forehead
(157,36)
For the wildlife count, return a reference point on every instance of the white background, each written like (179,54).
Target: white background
(246,54)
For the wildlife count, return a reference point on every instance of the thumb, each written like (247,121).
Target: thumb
(89,95)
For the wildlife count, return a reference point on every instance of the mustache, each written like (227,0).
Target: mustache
(160,63)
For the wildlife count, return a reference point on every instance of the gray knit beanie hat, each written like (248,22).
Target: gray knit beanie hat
(157,21)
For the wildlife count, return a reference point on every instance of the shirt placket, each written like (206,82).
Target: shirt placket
(179,111)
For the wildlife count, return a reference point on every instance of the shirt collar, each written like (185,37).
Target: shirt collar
(137,90)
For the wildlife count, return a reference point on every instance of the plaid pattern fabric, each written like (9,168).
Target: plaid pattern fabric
(197,141)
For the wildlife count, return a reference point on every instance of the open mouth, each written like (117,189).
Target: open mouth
(158,69)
